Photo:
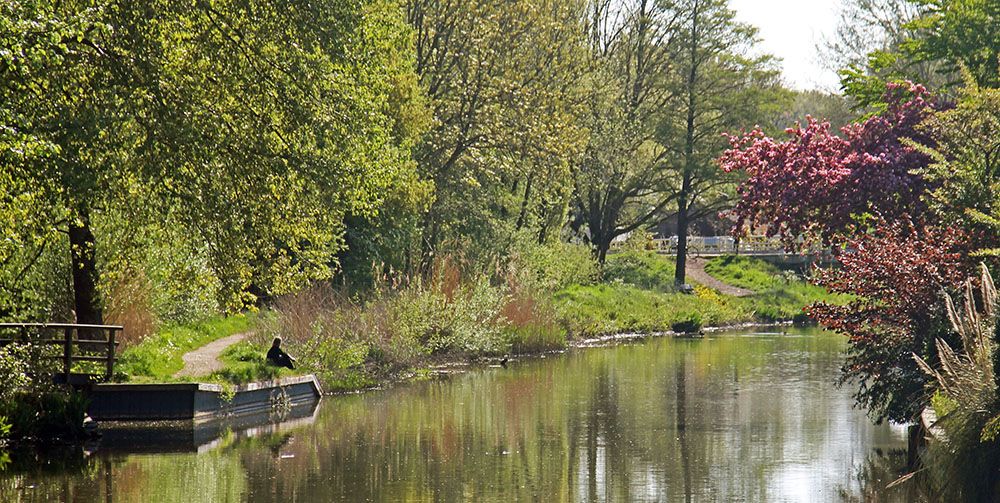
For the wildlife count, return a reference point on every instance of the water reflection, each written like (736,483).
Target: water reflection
(728,418)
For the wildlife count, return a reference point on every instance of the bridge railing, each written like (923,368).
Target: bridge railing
(721,245)
(98,344)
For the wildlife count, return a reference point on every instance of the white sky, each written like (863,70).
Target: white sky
(791,30)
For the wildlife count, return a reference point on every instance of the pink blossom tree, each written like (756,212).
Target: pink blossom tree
(818,184)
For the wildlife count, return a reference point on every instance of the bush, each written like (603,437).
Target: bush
(15,361)
(45,415)
(554,266)
(644,269)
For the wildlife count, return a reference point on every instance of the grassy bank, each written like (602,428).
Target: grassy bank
(637,295)
(778,294)
(158,357)
(353,342)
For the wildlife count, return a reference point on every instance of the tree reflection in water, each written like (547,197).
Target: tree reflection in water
(739,417)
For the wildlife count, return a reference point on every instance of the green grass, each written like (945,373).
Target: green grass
(642,269)
(245,362)
(779,295)
(638,296)
(616,308)
(158,357)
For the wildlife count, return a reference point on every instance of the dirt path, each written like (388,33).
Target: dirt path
(205,360)
(696,272)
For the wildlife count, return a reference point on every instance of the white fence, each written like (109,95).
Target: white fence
(720,245)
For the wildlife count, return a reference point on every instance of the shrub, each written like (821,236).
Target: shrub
(644,269)
(967,395)
(554,266)
(45,415)
(15,361)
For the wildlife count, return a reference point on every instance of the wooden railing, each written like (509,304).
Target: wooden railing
(721,245)
(97,345)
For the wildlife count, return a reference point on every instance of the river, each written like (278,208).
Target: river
(738,416)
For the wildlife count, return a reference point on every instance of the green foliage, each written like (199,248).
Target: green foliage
(965,165)
(959,33)
(248,132)
(502,81)
(552,266)
(158,357)
(15,363)
(5,428)
(644,269)
(779,295)
(45,415)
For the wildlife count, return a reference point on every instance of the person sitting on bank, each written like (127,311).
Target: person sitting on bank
(275,355)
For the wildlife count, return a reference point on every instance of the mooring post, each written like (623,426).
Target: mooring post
(111,353)
(67,352)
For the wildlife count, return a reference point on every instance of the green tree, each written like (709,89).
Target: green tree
(620,184)
(958,33)
(966,163)
(925,41)
(718,89)
(500,78)
(256,126)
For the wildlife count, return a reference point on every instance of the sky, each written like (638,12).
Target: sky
(791,30)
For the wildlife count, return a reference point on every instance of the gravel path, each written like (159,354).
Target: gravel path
(205,360)
(696,272)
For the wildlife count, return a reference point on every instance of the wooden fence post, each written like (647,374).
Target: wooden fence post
(68,352)
(111,353)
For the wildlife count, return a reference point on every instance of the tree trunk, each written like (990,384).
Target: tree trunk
(602,243)
(689,139)
(522,216)
(680,267)
(84,263)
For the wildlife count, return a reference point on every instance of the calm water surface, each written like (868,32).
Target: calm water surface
(734,417)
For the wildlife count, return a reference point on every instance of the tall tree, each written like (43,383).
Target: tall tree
(500,78)
(258,125)
(619,184)
(718,88)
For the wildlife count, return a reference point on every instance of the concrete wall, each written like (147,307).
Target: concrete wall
(140,402)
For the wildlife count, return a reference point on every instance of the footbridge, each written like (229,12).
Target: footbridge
(766,248)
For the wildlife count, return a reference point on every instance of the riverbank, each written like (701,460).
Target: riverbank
(413,331)
(406,331)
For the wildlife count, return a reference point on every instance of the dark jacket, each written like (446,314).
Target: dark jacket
(275,356)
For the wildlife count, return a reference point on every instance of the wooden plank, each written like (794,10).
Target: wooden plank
(58,342)
(59,325)
(80,358)
(92,358)
(67,350)
(111,355)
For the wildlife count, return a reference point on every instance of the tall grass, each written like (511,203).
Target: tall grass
(964,465)
(130,305)
(352,341)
